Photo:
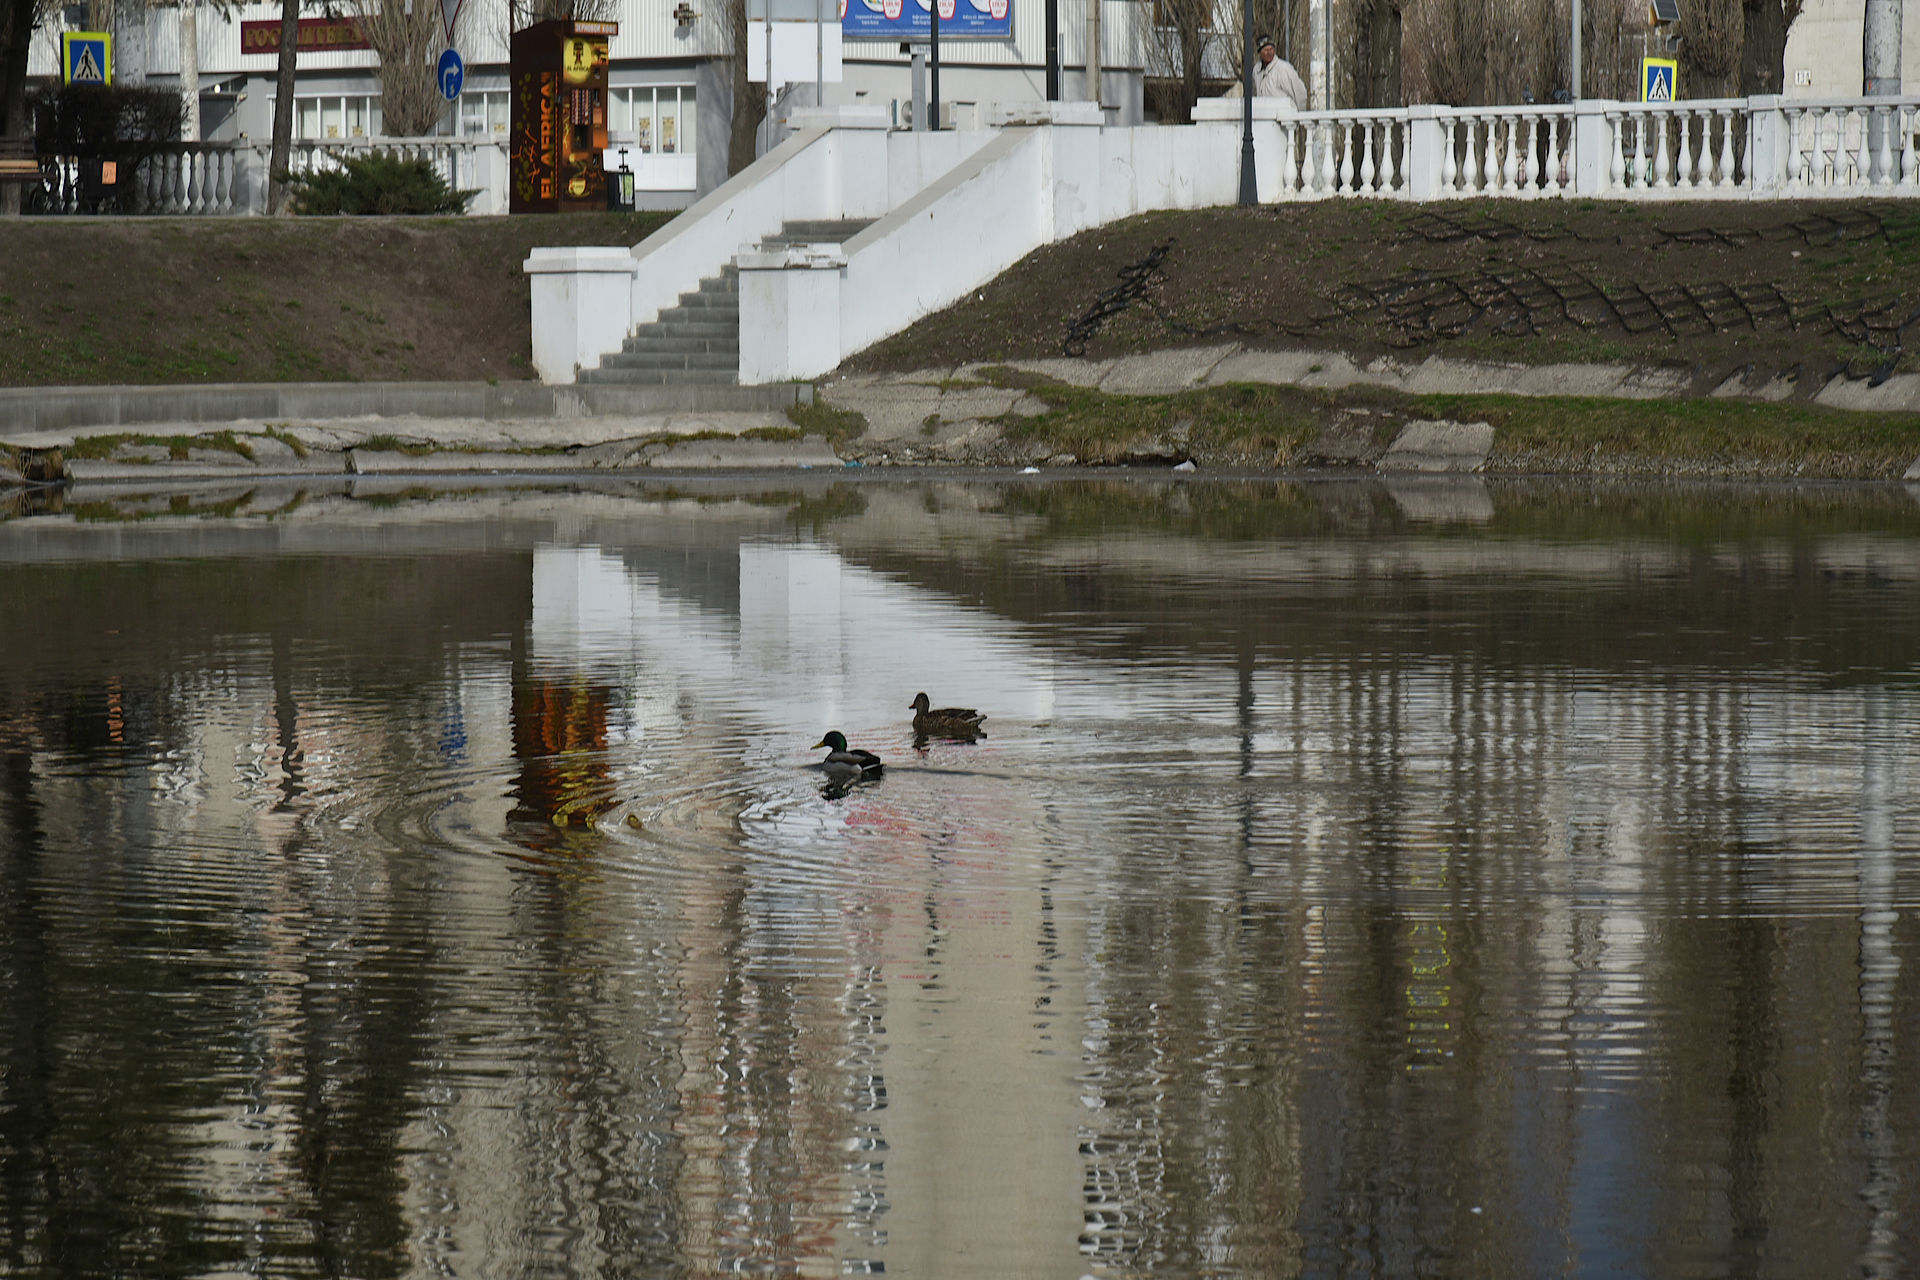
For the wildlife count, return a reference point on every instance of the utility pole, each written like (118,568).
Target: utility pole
(1575,86)
(1249,190)
(1881,49)
(1880,58)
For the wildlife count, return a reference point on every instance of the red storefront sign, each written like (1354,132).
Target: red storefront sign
(317,35)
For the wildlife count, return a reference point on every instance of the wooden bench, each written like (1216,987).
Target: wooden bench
(18,163)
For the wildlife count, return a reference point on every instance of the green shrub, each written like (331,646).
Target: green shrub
(377,182)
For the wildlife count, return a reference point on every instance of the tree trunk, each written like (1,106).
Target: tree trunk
(16,30)
(1376,54)
(1763,57)
(282,153)
(749,99)
(16,34)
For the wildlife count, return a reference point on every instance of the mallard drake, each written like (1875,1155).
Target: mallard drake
(844,763)
(944,722)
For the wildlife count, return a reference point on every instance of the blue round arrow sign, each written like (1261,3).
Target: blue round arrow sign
(452,73)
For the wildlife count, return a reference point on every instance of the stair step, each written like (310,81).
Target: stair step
(683,343)
(661,377)
(727,360)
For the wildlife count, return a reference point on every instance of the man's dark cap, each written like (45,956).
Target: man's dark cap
(1262,42)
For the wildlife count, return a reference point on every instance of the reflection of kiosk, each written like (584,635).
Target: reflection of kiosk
(559,116)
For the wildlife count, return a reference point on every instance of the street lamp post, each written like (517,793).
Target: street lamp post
(1249,195)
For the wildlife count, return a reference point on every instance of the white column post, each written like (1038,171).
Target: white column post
(1426,150)
(582,307)
(1769,147)
(790,313)
(1592,147)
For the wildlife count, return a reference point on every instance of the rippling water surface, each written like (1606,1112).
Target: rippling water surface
(1447,879)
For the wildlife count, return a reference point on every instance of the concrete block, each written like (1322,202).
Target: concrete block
(719,455)
(1075,373)
(1163,372)
(790,313)
(1267,368)
(582,301)
(1898,394)
(1427,445)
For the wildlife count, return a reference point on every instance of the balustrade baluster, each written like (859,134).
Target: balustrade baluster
(1366,158)
(1726,175)
(1529,156)
(1683,159)
(1618,170)
(1660,152)
(1346,159)
(1448,171)
(1510,165)
(1909,161)
(1884,161)
(1490,168)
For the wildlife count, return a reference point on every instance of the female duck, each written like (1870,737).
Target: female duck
(944,722)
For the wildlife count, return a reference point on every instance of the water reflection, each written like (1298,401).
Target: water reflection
(1459,878)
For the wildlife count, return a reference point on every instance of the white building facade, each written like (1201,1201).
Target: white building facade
(670,79)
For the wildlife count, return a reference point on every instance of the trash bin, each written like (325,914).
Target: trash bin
(100,184)
(620,186)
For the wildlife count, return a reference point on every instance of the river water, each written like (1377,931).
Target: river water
(1449,878)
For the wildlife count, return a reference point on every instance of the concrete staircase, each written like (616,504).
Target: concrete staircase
(697,341)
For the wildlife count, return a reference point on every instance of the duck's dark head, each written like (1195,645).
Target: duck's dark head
(833,740)
(921,703)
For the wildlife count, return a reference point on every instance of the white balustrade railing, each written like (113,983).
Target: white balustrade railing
(223,178)
(1507,151)
(1765,148)
(1861,144)
(1745,148)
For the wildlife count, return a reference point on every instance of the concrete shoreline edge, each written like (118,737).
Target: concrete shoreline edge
(946,416)
(29,410)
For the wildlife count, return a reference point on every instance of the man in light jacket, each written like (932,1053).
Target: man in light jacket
(1274,76)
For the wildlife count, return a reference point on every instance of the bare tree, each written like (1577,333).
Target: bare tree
(1176,45)
(1711,35)
(18,18)
(1448,50)
(1378,32)
(1763,46)
(406,36)
(521,14)
(281,156)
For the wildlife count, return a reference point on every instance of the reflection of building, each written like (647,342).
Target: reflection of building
(1486,943)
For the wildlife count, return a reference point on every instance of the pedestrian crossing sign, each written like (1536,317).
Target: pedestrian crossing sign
(1657,79)
(86,57)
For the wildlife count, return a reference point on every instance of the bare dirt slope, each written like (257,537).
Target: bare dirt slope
(1804,288)
(1807,288)
(169,300)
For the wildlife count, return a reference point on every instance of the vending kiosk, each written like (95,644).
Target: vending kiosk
(559,116)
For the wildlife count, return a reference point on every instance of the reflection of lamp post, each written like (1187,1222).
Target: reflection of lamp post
(1248,194)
